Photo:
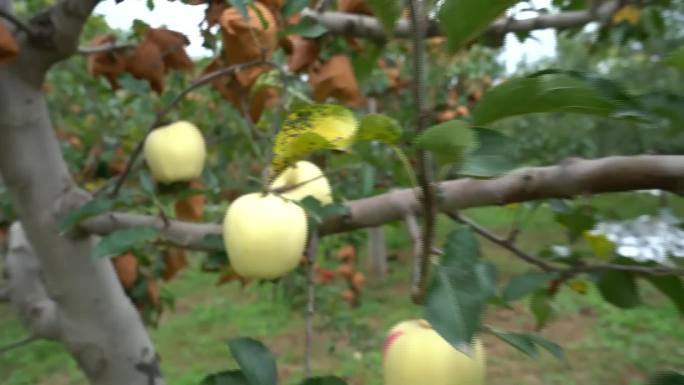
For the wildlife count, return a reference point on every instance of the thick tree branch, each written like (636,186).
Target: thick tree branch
(371,28)
(571,178)
(16,21)
(105,48)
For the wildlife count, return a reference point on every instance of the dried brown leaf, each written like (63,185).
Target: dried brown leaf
(172,46)
(354,6)
(335,78)
(248,39)
(302,52)
(174,261)
(191,208)
(126,266)
(147,63)
(8,46)
(108,64)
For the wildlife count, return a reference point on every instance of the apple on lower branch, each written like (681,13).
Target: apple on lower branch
(415,354)
(265,235)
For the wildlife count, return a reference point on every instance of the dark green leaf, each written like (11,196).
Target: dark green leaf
(292,7)
(619,288)
(367,179)
(527,343)
(150,5)
(120,241)
(146,183)
(379,127)
(255,360)
(139,28)
(215,261)
(493,156)
(542,308)
(317,213)
(307,28)
(449,142)
(668,377)
(387,11)
(542,93)
(213,242)
(91,208)
(229,377)
(521,285)
(328,380)
(460,290)
(671,286)
(577,220)
(463,20)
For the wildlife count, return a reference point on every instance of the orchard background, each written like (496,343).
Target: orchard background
(114,279)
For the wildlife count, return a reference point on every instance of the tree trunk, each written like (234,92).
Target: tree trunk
(377,253)
(92,317)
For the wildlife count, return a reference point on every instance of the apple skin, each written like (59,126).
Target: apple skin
(265,235)
(301,172)
(175,153)
(415,354)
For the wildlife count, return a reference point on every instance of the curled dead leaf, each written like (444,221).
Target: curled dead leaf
(109,64)
(213,12)
(172,47)
(354,6)
(8,46)
(358,281)
(153,291)
(302,52)
(126,266)
(191,208)
(174,261)
(229,275)
(147,63)
(335,78)
(347,253)
(248,39)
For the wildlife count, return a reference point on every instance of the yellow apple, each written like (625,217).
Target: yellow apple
(415,354)
(265,235)
(175,153)
(317,185)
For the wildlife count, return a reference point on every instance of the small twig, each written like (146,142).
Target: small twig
(17,344)
(173,104)
(414,232)
(565,272)
(18,23)
(311,251)
(425,177)
(105,48)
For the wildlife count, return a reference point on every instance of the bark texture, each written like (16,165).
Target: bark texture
(77,301)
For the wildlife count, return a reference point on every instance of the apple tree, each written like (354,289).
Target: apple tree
(120,155)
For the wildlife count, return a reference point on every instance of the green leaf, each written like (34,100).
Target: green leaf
(150,5)
(146,183)
(379,127)
(241,6)
(120,241)
(521,285)
(541,307)
(255,360)
(317,213)
(292,7)
(542,93)
(228,377)
(493,157)
(460,290)
(675,59)
(619,288)
(577,220)
(215,261)
(327,380)
(387,11)
(213,242)
(527,343)
(463,20)
(90,209)
(671,286)
(307,28)
(139,28)
(449,142)
(669,377)
(600,245)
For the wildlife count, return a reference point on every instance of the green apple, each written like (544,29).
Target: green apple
(265,235)
(415,354)
(175,153)
(316,183)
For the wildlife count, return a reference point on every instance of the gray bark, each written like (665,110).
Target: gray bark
(377,253)
(81,298)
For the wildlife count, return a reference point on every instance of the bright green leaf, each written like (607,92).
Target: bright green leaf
(90,209)
(255,360)
(675,59)
(379,127)
(120,241)
(463,20)
(521,285)
(229,377)
(460,290)
(449,142)
(542,93)
(600,245)
(619,288)
(387,11)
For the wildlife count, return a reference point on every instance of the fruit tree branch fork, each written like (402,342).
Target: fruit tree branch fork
(371,28)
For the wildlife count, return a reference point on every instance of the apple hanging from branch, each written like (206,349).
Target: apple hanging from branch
(265,235)
(175,153)
(415,354)
(301,180)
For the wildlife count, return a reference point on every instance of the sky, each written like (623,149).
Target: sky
(185,18)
